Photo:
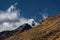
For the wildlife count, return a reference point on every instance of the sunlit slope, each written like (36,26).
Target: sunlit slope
(48,29)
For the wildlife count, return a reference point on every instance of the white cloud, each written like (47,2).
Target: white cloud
(45,16)
(11,19)
(10,14)
(44,13)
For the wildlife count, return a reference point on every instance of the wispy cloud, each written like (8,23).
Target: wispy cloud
(10,19)
(44,14)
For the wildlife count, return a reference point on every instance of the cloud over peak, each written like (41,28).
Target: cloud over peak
(10,19)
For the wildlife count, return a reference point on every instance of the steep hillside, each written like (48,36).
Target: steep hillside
(48,29)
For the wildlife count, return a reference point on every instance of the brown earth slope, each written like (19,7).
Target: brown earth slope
(48,29)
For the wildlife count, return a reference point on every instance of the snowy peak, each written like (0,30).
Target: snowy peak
(32,22)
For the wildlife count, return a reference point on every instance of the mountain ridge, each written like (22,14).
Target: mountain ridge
(6,34)
(49,29)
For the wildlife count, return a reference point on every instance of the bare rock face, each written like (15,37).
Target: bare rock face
(49,29)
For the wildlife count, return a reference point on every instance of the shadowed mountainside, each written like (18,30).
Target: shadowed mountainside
(49,29)
(6,34)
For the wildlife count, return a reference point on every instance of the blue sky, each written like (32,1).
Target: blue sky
(33,8)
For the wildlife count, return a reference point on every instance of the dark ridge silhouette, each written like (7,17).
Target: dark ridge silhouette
(22,28)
